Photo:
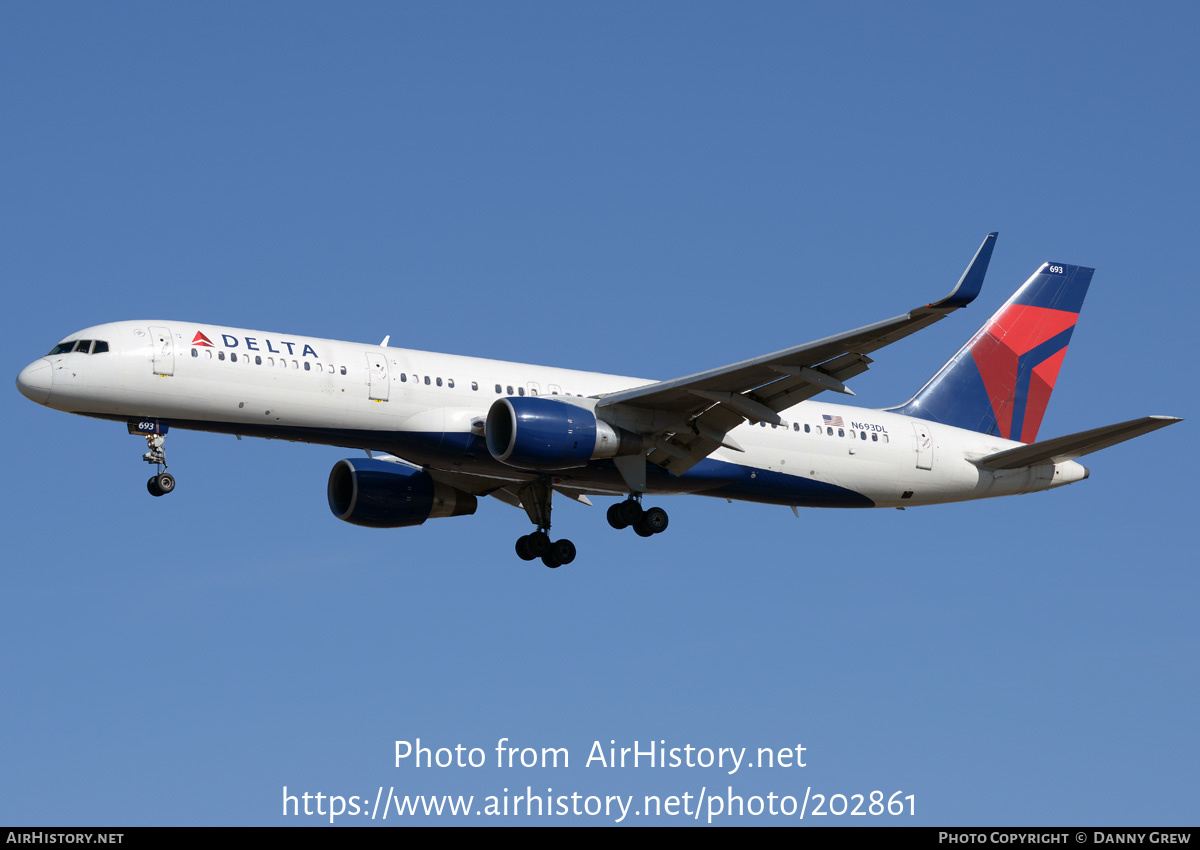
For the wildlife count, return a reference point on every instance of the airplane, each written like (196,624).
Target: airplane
(440,430)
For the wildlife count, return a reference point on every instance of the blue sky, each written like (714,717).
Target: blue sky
(629,188)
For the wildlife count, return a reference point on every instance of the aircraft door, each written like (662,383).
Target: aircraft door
(164,351)
(924,446)
(377,375)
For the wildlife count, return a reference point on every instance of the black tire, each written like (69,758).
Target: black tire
(563,551)
(523,549)
(152,486)
(614,516)
(550,561)
(630,512)
(642,529)
(539,543)
(166,482)
(656,520)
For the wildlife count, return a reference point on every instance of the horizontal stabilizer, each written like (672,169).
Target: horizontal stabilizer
(1074,445)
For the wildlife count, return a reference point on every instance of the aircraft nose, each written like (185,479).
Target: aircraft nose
(35,380)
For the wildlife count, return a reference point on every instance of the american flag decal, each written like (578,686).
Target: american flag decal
(835,421)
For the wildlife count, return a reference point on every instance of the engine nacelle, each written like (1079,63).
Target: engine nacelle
(383,494)
(537,432)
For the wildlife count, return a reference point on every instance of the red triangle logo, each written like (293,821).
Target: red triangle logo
(201,340)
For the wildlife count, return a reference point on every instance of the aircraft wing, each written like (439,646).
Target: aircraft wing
(690,417)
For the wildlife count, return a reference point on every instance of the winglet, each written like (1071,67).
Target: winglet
(971,281)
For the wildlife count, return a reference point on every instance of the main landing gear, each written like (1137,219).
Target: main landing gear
(535,497)
(646,522)
(162,482)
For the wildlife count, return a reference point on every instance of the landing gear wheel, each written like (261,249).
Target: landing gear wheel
(550,561)
(614,516)
(629,511)
(161,484)
(538,543)
(656,520)
(562,551)
(523,549)
(642,529)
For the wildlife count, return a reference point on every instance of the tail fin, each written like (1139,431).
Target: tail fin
(1000,382)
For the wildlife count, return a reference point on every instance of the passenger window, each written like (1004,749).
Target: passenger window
(510,392)
(195,353)
(830,430)
(841,432)
(450,383)
(439,382)
(208,355)
(795,426)
(862,435)
(532,391)
(220,355)
(343,370)
(296,365)
(257,359)
(307,366)
(498,390)
(874,438)
(520,391)
(807,430)
(475,385)
(233,357)
(403,378)
(426,380)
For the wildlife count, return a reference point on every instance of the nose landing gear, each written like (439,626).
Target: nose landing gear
(162,482)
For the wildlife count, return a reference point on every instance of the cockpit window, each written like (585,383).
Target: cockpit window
(99,347)
(84,346)
(62,347)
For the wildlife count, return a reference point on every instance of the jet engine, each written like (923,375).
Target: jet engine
(546,433)
(385,494)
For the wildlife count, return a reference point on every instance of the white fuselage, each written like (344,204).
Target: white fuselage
(429,409)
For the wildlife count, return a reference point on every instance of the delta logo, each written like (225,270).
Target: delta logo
(251,343)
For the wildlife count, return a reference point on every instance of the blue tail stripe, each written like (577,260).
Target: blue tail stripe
(1026,363)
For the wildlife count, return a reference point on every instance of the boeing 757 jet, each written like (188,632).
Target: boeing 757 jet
(441,430)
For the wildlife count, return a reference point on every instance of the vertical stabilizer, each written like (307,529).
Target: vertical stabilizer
(1000,382)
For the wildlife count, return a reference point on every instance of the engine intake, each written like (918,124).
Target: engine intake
(384,494)
(545,433)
